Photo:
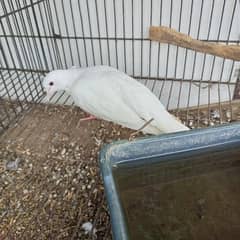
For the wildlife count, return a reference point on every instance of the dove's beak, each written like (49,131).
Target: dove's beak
(49,93)
(48,97)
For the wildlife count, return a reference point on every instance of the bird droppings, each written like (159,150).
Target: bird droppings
(88,228)
(13,165)
(56,186)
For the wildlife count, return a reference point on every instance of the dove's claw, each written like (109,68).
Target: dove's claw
(88,118)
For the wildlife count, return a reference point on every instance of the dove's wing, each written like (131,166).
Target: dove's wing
(116,97)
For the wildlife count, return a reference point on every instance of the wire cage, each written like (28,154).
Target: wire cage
(37,36)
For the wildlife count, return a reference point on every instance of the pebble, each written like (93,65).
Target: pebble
(25,191)
(228,114)
(81,176)
(205,122)
(74,180)
(211,124)
(28,152)
(190,123)
(63,151)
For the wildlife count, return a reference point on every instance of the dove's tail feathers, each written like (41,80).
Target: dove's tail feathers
(174,125)
(165,123)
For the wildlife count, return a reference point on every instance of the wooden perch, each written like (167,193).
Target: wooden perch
(168,35)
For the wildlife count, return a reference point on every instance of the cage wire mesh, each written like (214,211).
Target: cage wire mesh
(37,36)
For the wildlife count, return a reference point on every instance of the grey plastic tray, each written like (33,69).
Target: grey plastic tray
(170,147)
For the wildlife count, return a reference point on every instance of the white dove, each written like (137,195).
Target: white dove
(112,95)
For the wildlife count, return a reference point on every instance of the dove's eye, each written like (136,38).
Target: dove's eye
(51,83)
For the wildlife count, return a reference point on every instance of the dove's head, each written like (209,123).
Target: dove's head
(57,80)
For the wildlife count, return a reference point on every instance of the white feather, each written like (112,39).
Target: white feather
(112,95)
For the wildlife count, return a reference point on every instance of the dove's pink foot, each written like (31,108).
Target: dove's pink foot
(88,118)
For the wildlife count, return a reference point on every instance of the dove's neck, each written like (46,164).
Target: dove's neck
(69,84)
(73,77)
